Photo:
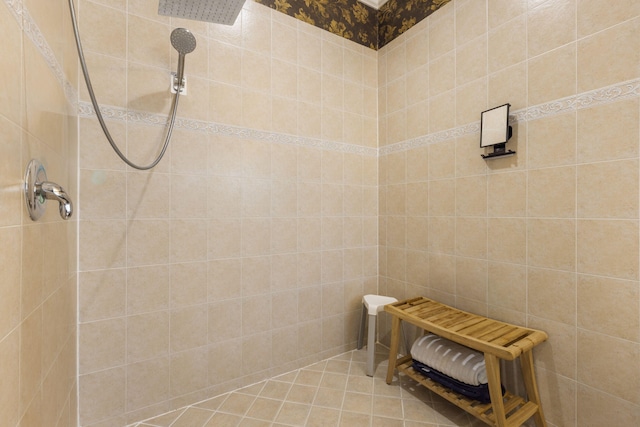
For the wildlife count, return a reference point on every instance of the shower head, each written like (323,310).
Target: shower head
(215,11)
(183,41)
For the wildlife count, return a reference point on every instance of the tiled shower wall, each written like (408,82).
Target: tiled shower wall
(246,251)
(549,237)
(37,259)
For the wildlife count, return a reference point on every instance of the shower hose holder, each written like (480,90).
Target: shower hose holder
(37,190)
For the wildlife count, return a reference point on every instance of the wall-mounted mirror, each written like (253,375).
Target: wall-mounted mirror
(495,131)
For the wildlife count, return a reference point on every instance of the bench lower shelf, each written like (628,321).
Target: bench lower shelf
(516,408)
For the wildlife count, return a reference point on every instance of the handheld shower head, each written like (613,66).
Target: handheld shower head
(183,41)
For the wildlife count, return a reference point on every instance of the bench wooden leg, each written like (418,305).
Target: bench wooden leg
(393,351)
(495,388)
(529,377)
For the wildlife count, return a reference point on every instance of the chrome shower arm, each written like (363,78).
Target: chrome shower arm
(52,191)
(37,190)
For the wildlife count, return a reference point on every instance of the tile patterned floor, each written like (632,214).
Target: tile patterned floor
(334,392)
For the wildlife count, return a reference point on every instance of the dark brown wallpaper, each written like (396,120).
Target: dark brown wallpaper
(397,16)
(356,21)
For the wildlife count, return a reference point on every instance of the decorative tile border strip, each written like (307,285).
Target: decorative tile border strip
(31,30)
(85,109)
(617,92)
(15,6)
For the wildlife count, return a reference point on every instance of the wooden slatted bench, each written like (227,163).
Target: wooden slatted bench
(497,340)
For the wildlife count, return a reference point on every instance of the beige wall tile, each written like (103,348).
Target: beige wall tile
(442,33)
(500,11)
(11,107)
(599,297)
(442,111)
(189,372)
(506,194)
(559,356)
(471,237)
(507,240)
(593,16)
(188,283)
(552,75)
(148,336)
(104,343)
(509,85)
(188,328)
(106,80)
(225,103)
(10,198)
(103,294)
(551,243)
(256,351)
(256,274)
(442,197)
(471,278)
(224,279)
(104,393)
(148,289)
(558,400)
(471,21)
(552,295)
(147,42)
(550,25)
(224,238)
(595,406)
(418,82)
(146,195)
(222,363)
(225,63)
(417,47)
(441,74)
(608,131)
(148,242)
(470,101)
(417,269)
(507,43)
(442,273)
(97,35)
(284,272)
(471,60)
(148,382)
(552,192)
(552,141)
(188,240)
(219,327)
(111,252)
(467,156)
(507,285)
(598,199)
(30,358)
(608,248)
(602,61)
(441,234)
(595,367)
(10,288)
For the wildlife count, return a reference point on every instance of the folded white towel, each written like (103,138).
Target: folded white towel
(449,358)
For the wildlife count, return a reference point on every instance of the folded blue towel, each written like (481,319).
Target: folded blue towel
(476,392)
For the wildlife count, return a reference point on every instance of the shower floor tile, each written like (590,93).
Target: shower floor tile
(333,393)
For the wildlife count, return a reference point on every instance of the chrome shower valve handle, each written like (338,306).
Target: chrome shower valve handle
(37,190)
